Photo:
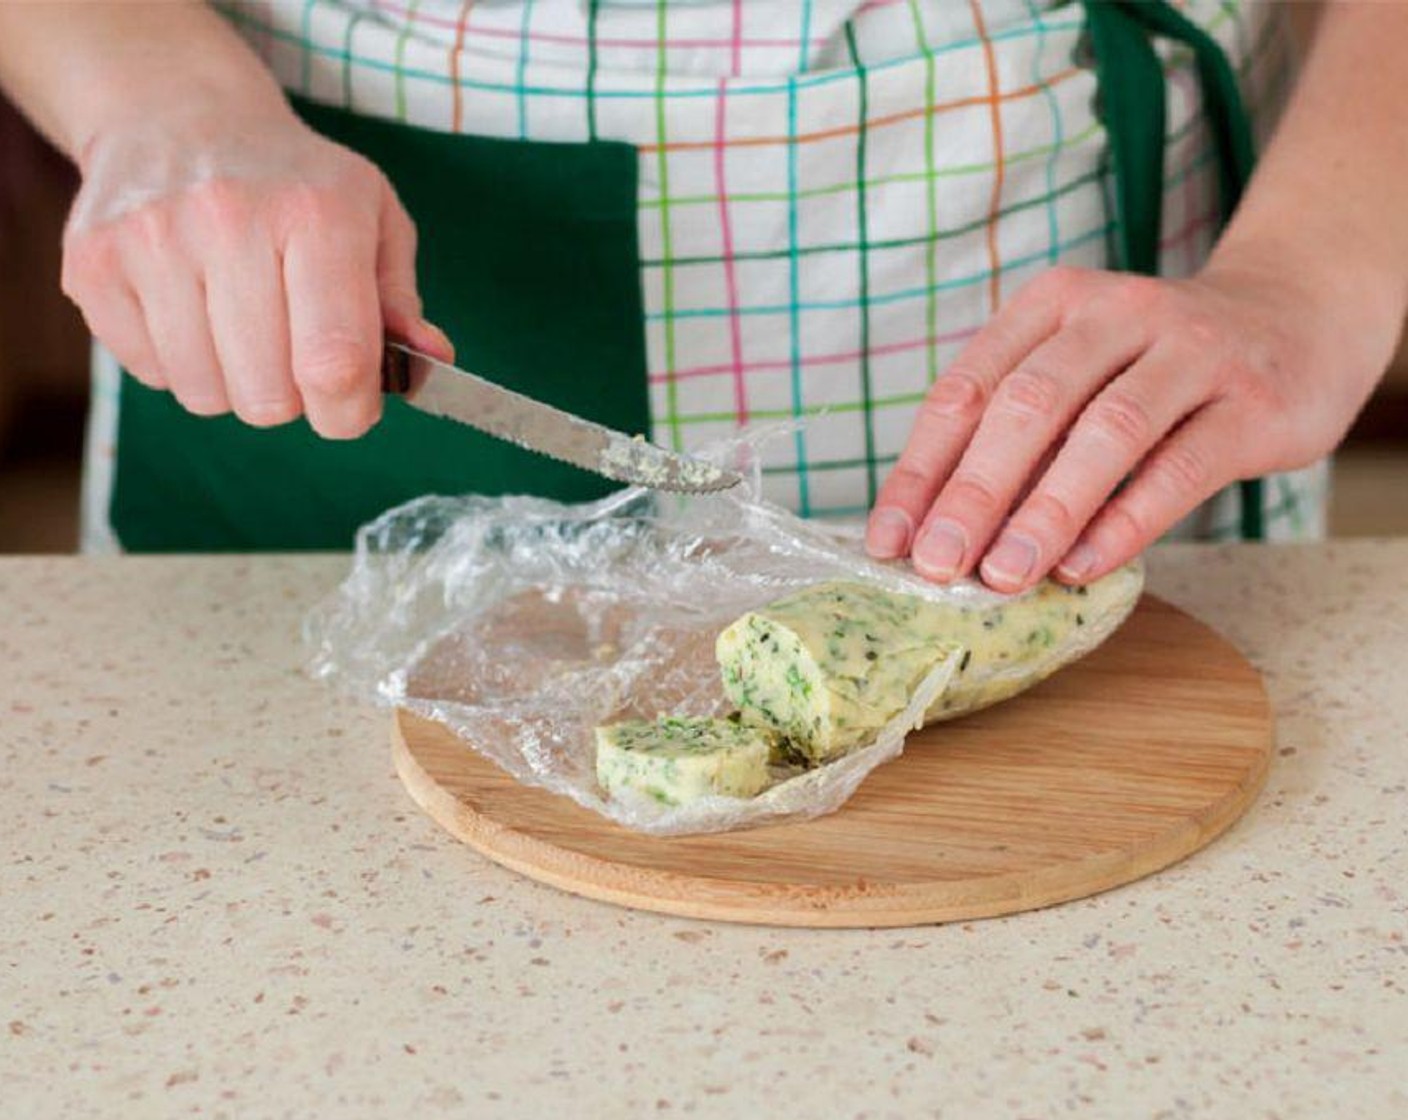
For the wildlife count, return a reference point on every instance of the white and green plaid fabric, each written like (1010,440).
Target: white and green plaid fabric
(833,195)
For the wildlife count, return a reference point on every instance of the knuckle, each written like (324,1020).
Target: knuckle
(356,169)
(88,259)
(200,403)
(73,277)
(1181,470)
(1247,378)
(959,394)
(347,424)
(301,200)
(152,227)
(400,299)
(222,206)
(1050,515)
(141,365)
(1118,418)
(1030,393)
(1125,525)
(1134,294)
(76,282)
(268,413)
(969,490)
(305,204)
(907,479)
(1200,331)
(144,369)
(336,367)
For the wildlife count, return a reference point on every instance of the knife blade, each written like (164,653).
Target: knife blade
(441,389)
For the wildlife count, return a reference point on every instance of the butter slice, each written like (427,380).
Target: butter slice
(829,665)
(677,759)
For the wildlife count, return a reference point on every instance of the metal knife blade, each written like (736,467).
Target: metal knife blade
(445,390)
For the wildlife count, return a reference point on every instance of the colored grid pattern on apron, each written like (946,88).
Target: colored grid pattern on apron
(833,197)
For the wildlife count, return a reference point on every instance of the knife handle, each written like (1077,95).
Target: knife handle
(395,371)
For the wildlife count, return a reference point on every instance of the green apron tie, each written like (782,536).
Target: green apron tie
(1132,79)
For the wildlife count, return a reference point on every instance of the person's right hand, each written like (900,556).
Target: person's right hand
(246,264)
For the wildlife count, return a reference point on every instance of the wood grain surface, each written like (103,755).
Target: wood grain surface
(1116,767)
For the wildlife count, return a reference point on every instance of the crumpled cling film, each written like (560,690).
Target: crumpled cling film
(522,624)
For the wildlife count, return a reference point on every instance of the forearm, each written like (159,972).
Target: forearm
(1328,198)
(78,69)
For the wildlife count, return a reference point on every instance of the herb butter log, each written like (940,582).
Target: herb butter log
(677,759)
(828,666)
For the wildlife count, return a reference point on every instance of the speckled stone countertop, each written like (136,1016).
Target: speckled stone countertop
(217,901)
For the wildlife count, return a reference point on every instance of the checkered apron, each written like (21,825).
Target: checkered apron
(833,196)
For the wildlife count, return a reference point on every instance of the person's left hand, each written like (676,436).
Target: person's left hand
(1086,378)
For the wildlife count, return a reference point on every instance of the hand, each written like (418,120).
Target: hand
(245,263)
(1086,379)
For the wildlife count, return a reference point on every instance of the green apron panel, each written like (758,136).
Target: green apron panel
(528,261)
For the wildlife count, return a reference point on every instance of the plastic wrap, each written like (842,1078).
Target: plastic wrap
(523,624)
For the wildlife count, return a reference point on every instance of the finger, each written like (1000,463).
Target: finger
(1196,460)
(401,308)
(1114,433)
(248,312)
(93,279)
(116,320)
(335,328)
(172,296)
(1030,410)
(950,413)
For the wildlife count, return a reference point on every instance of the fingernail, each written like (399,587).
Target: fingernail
(888,533)
(1079,562)
(1011,560)
(446,346)
(940,549)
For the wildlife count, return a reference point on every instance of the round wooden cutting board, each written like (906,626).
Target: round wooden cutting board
(1117,766)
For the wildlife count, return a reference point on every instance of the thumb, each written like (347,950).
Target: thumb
(401,309)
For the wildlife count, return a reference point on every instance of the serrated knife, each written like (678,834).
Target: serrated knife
(445,390)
